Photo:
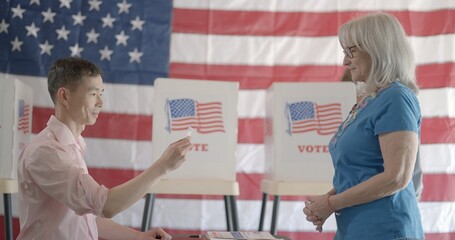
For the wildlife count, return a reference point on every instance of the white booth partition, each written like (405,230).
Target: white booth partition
(301,118)
(209,110)
(16,105)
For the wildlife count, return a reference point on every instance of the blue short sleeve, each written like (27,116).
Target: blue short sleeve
(400,111)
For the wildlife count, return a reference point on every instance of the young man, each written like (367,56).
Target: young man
(58,197)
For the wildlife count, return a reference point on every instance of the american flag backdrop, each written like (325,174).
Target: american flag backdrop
(254,42)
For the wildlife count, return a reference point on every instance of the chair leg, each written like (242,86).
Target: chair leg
(263,208)
(276,203)
(228,209)
(8,216)
(235,218)
(148,212)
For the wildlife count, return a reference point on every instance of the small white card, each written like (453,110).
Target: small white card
(189,132)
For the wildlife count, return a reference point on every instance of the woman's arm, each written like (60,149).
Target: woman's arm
(399,150)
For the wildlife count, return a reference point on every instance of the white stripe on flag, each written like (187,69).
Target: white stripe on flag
(117,98)
(255,50)
(437,102)
(438,158)
(271,50)
(251,103)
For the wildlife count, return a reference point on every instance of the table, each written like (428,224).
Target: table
(193,237)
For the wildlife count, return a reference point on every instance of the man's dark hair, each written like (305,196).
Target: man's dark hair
(69,72)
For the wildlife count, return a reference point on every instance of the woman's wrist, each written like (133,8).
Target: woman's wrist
(331,206)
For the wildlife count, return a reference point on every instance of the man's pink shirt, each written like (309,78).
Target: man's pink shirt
(58,198)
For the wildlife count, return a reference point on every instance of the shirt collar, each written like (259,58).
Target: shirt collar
(63,133)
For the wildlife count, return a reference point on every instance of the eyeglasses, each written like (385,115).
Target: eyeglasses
(348,51)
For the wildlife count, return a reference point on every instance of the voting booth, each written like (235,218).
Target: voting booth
(208,109)
(301,118)
(16,103)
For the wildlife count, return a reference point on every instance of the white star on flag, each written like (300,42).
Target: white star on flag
(106,53)
(121,38)
(62,33)
(137,23)
(46,48)
(79,19)
(48,16)
(18,12)
(92,36)
(135,56)
(4,26)
(124,7)
(76,50)
(65,3)
(35,2)
(108,21)
(32,30)
(94,4)
(16,45)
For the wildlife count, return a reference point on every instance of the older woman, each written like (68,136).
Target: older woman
(374,150)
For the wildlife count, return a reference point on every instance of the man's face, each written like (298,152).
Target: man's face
(85,102)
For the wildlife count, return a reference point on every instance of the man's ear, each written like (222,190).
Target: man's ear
(63,95)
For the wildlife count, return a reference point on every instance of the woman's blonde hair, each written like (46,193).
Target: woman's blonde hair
(382,37)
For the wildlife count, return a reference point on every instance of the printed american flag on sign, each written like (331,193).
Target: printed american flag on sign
(23,120)
(254,42)
(204,117)
(306,116)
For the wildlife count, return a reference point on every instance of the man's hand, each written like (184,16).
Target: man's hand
(152,234)
(174,155)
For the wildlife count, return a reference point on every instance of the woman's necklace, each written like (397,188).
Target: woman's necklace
(363,102)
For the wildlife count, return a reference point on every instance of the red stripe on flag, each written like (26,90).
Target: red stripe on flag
(251,130)
(261,77)
(256,77)
(436,75)
(16,227)
(444,192)
(108,125)
(309,24)
(250,185)
(438,130)
(440,236)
